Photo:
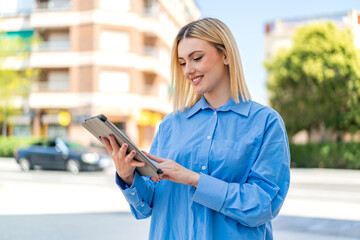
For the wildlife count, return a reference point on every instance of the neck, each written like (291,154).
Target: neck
(221,93)
(217,99)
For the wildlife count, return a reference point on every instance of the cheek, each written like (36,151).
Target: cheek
(213,63)
(208,63)
(216,68)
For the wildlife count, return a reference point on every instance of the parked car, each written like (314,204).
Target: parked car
(61,154)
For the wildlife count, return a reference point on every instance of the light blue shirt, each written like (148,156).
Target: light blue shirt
(242,154)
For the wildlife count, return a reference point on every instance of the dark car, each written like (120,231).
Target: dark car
(60,154)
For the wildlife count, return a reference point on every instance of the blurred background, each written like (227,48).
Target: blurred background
(62,61)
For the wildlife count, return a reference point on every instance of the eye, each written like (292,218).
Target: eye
(198,58)
(182,64)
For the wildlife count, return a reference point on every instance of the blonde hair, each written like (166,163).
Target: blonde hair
(217,34)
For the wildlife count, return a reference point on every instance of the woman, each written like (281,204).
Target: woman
(225,158)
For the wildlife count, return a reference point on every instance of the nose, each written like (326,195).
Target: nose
(188,70)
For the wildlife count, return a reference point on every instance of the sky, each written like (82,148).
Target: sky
(246,20)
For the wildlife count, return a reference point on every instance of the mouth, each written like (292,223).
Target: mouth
(196,80)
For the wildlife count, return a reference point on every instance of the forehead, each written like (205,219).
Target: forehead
(188,45)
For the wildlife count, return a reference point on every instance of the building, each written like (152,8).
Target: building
(96,56)
(279,34)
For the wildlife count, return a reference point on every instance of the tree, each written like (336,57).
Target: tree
(316,83)
(13,83)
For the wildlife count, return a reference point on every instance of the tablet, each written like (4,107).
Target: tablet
(100,126)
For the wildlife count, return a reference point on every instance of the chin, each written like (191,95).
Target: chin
(199,90)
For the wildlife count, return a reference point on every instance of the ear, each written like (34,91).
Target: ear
(225,59)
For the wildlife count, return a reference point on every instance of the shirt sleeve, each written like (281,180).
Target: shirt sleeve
(260,198)
(141,193)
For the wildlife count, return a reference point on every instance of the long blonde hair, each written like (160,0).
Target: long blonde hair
(217,34)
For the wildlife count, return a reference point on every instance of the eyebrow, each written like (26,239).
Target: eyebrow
(191,53)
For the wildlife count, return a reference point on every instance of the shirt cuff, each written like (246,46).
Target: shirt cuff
(135,191)
(210,192)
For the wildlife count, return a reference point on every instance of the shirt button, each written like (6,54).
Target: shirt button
(203,167)
(142,205)
(208,137)
(132,194)
(214,112)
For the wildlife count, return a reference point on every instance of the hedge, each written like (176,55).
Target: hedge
(310,155)
(9,144)
(326,155)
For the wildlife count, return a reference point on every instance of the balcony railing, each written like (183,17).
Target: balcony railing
(50,86)
(151,10)
(53,5)
(150,50)
(52,46)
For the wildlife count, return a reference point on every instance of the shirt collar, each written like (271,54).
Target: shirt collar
(242,108)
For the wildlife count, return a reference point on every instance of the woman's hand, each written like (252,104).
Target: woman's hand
(124,163)
(175,172)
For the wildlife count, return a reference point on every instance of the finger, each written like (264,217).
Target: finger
(155,158)
(164,177)
(114,144)
(135,163)
(154,178)
(107,144)
(128,157)
(123,150)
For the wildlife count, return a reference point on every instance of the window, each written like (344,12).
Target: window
(149,83)
(58,80)
(114,81)
(114,41)
(22,130)
(53,39)
(56,131)
(150,8)
(150,45)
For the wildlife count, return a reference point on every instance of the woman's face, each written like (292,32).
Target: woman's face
(203,65)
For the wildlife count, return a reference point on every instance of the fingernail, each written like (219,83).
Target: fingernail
(111,135)
(133,152)
(125,145)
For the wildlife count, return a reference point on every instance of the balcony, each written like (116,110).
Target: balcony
(52,46)
(150,43)
(149,83)
(52,81)
(151,8)
(54,5)
(50,87)
(151,51)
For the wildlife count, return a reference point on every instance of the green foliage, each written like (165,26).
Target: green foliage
(317,82)
(326,155)
(9,144)
(17,44)
(13,83)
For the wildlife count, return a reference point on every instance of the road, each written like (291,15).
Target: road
(321,205)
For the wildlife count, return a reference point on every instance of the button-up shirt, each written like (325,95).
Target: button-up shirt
(241,151)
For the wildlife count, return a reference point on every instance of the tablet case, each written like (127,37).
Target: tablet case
(101,126)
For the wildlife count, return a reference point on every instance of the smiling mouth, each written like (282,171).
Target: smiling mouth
(196,80)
